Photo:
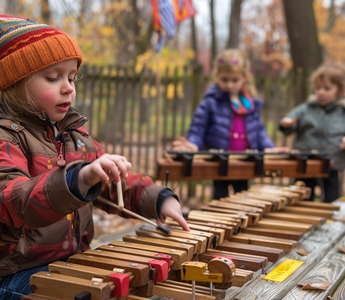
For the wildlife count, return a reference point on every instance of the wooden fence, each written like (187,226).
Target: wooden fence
(128,116)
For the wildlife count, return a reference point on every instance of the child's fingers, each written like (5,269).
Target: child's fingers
(98,170)
(178,218)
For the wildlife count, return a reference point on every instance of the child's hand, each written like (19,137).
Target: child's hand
(184,145)
(342,144)
(105,168)
(277,150)
(171,208)
(288,122)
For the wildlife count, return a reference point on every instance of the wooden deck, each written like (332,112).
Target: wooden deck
(324,263)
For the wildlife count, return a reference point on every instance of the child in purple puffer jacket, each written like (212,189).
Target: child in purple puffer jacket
(228,117)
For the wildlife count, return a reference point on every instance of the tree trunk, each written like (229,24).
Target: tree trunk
(194,39)
(305,49)
(213,34)
(331,16)
(45,11)
(235,23)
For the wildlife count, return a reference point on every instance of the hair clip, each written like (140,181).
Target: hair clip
(234,61)
(221,61)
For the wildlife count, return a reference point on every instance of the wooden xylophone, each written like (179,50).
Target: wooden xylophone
(237,237)
(240,165)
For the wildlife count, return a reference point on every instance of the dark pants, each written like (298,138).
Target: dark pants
(14,287)
(329,186)
(221,187)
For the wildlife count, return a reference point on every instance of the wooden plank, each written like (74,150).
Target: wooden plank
(138,253)
(284,234)
(220,233)
(140,271)
(339,294)
(124,257)
(229,230)
(315,221)
(284,225)
(272,254)
(81,271)
(37,297)
(308,211)
(318,244)
(180,294)
(278,202)
(206,239)
(265,205)
(157,242)
(258,240)
(318,205)
(236,206)
(163,239)
(66,287)
(179,256)
(242,220)
(330,269)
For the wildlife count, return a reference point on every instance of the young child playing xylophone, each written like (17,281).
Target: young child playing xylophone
(51,170)
(228,117)
(319,124)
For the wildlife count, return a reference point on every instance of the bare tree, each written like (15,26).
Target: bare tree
(305,49)
(235,24)
(213,33)
(45,11)
(331,16)
(194,39)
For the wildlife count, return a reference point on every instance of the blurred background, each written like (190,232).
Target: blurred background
(138,100)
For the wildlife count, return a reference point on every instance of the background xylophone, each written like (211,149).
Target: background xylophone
(254,228)
(240,165)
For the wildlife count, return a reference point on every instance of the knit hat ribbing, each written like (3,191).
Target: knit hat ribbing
(27,47)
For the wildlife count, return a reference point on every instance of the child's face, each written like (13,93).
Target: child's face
(230,82)
(52,89)
(326,92)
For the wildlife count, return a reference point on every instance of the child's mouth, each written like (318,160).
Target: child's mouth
(64,104)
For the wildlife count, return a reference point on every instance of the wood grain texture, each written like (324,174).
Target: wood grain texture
(319,243)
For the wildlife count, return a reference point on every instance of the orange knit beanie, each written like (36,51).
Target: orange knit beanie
(27,47)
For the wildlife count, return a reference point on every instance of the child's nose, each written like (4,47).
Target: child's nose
(67,87)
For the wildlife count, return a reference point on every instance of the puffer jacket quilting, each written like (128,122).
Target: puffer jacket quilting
(212,119)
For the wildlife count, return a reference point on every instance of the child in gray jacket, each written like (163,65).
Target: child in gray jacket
(319,124)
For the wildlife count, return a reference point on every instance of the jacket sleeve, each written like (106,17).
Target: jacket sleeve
(197,128)
(264,139)
(31,202)
(294,113)
(140,195)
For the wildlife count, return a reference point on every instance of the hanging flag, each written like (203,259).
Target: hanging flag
(166,14)
(183,9)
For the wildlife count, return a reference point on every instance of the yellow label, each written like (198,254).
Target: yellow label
(329,221)
(284,270)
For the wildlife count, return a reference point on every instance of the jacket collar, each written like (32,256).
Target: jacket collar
(340,102)
(40,120)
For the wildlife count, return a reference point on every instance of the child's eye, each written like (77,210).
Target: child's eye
(52,78)
(71,79)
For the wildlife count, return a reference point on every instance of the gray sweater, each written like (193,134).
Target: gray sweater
(319,128)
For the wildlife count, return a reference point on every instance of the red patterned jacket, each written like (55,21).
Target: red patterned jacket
(40,219)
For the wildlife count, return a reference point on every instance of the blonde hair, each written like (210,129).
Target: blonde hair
(16,100)
(235,60)
(334,72)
